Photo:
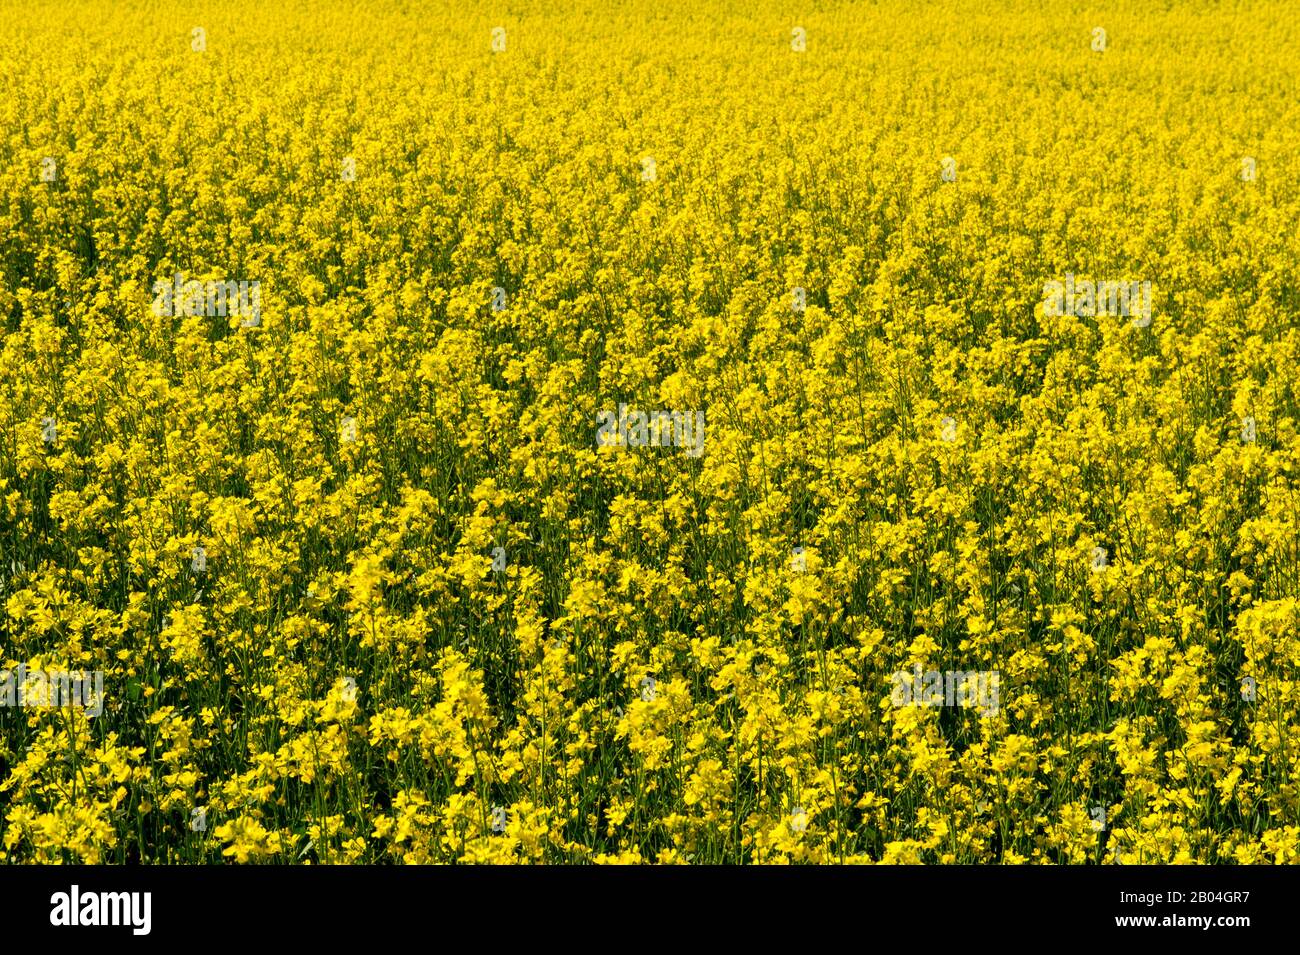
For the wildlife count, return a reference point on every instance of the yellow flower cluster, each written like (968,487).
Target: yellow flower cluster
(917,538)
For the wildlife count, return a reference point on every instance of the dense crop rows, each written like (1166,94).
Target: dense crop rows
(364,585)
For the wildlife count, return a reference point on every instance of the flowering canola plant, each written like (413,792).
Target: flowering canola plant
(312,314)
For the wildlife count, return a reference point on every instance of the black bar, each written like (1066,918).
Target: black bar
(545,905)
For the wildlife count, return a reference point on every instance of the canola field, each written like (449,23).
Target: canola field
(726,432)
